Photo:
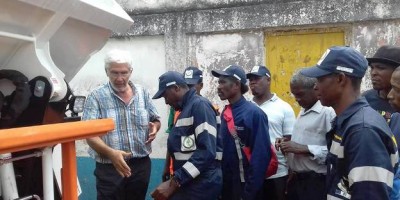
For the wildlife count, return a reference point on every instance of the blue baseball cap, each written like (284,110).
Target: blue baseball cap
(259,70)
(339,59)
(231,71)
(193,75)
(167,79)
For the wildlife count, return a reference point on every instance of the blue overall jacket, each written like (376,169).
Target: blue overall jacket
(192,144)
(252,128)
(362,154)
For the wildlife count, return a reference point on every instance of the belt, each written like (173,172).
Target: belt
(307,175)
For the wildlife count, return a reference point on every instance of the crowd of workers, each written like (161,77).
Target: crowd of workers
(342,144)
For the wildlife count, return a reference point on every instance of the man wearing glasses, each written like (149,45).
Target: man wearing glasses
(122,156)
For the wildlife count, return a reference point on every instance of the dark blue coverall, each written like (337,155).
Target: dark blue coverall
(192,144)
(362,154)
(252,127)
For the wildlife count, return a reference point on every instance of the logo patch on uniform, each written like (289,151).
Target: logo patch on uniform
(188,143)
(255,69)
(189,73)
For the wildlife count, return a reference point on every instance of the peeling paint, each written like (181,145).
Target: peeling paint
(382,10)
(215,33)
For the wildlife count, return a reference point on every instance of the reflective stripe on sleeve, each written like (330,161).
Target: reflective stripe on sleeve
(370,173)
(186,156)
(206,126)
(218,119)
(337,149)
(184,122)
(182,156)
(191,169)
(330,197)
(218,156)
(394,158)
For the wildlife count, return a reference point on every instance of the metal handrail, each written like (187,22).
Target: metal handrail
(19,139)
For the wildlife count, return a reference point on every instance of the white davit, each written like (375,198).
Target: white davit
(52,40)
(55,38)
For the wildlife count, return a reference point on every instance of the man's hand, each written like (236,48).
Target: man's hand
(165,190)
(153,129)
(117,158)
(293,147)
(278,143)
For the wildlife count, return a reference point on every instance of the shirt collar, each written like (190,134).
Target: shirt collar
(188,95)
(353,108)
(273,98)
(317,107)
(241,101)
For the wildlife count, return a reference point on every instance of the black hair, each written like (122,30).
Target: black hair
(183,85)
(243,87)
(355,82)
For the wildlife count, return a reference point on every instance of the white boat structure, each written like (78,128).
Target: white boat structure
(43,44)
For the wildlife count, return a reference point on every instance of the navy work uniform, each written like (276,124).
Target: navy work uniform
(362,154)
(192,144)
(252,128)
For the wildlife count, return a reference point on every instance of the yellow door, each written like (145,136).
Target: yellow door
(288,51)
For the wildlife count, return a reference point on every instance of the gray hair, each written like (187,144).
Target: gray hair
(117,56)
(397,69)
(301,80)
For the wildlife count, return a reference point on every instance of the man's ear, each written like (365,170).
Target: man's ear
(176,88)
(237,84)
(342,79)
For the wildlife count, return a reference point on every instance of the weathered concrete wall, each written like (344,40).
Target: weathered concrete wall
(211,34)
(266,14)
(370,35)
(368,24)
(215,51)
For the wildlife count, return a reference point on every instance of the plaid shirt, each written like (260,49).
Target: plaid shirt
(131,120)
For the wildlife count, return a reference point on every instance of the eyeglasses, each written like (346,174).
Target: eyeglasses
(125,74)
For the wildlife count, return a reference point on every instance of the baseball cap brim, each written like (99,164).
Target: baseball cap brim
(218,73)
(248,75)
(314,72)
(383,60)
(159,94)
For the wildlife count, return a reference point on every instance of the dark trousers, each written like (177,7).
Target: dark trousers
(306,186)
(112,186)
(274,189)
(207,186)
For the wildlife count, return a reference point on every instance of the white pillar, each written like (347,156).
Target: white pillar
(7,179)
(47,170)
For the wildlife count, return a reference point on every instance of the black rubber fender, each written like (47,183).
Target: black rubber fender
(19,98)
